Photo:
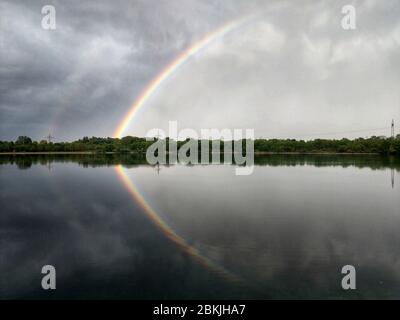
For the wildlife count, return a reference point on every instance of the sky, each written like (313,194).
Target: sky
(290,71)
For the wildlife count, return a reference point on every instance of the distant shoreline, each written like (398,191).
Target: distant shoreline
(133,152)
(136,145)
(50,152)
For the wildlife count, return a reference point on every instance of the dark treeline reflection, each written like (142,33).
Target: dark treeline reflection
(131,160)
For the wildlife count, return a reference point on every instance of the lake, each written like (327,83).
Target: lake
(115,227)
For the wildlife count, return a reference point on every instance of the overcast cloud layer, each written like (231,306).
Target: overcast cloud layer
(290,72)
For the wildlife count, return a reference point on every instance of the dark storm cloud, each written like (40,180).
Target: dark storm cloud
(81,78)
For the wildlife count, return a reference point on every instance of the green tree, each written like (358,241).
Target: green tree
(23,140)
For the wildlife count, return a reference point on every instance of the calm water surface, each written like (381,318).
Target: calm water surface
(115,227)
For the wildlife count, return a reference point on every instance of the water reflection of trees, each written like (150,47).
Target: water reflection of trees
(358,161)
(131,160)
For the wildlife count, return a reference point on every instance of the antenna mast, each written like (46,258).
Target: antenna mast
(392,133)
(49,137)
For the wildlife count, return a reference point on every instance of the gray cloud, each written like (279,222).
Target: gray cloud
(293,71)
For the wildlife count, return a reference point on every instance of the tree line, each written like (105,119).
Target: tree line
(381,145)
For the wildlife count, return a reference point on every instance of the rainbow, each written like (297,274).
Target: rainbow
(175,64)
(148,91)
(168,232)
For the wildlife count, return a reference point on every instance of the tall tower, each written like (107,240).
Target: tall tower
(49,137)
(392,132)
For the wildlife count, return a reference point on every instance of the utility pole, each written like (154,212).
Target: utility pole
(392,133)
(49,137)
(158,136)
